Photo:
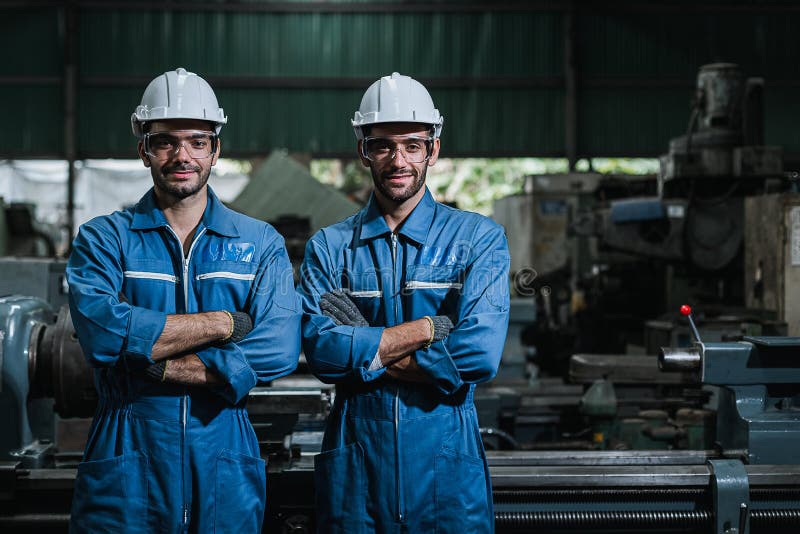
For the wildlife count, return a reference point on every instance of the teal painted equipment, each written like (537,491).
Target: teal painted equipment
(759,401)
(758,415)
(26,419)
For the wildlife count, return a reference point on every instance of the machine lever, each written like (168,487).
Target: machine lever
(744,511)
(686,311)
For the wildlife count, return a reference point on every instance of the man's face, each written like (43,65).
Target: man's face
(398,179)
(179,174)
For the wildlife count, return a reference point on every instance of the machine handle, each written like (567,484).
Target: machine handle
(744,511)
(686,311)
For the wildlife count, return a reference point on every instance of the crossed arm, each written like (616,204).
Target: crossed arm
(397,347)
(115,333)
(468,354)
(186,333)
(182,334)
(398,343)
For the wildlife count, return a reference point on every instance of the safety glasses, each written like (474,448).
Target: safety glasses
(415,149)
(199,144)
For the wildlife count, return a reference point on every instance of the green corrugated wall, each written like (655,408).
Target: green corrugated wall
(291,77)
(30,47)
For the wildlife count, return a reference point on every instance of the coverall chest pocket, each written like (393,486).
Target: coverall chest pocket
(223,285)
(150,283)
(433,290)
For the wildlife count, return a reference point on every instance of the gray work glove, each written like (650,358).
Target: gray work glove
(338,306)
(442,325)
(242,325)
(155,371)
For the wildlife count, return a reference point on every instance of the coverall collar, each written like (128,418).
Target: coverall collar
(415,227)
(216,217)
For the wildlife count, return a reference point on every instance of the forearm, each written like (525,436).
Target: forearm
(190,371)
(184,333)
(406,369)
(399,341)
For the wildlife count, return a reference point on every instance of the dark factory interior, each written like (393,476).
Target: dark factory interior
(640,158)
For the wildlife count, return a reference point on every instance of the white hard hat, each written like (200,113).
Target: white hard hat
(396,98)
(178,94)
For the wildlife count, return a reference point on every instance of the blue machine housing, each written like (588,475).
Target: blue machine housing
(759,404)
(24,419)
(637,209)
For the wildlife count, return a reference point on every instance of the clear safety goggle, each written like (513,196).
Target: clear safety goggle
(199,144)
(415,149)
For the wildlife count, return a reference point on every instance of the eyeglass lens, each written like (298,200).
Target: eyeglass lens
(414,149)
(163,145)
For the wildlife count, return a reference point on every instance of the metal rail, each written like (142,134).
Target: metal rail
(622,476)
(629,520)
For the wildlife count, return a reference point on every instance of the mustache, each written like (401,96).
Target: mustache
(413,172)
(180,168)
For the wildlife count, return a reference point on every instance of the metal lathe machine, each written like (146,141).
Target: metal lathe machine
(749,481)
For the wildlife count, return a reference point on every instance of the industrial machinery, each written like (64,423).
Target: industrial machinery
(708,443)
(587,246)
(748,482)
(772,262)
(47,397)
(22,235)
(696,216)
(695,223)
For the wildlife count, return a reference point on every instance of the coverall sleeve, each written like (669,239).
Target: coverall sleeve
(108,329)
(471,352)
(334,353)
(272,348)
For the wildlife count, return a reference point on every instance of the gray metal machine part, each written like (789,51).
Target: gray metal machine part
(20,318)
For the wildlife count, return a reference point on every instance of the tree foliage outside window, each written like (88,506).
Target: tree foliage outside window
(474,183)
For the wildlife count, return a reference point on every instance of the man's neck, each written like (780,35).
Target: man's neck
(395,213)
(183,214)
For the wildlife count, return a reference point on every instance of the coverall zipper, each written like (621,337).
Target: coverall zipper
(397,320)
(185,400)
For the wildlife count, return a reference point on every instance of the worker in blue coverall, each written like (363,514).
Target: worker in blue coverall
(405,309)
(181,306)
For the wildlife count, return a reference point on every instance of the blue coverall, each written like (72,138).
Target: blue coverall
(400,456)
(163,457)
